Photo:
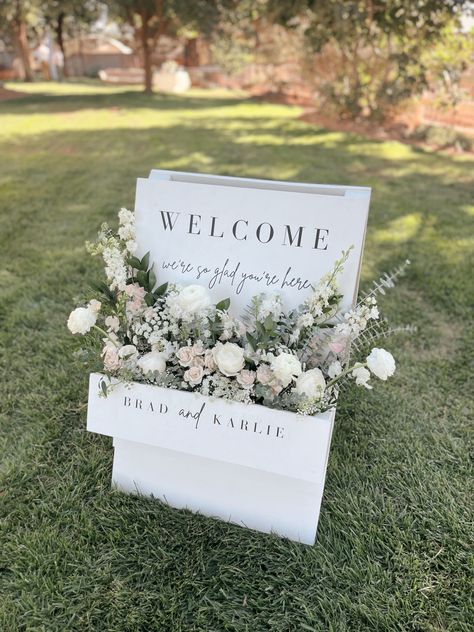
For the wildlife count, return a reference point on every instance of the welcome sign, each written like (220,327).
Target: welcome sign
(241,237)
(258,467)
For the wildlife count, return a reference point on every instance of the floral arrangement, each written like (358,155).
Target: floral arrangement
(176,337)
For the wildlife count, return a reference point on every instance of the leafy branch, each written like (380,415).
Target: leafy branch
(146,278)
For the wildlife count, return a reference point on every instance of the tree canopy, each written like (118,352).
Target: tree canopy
(379,49)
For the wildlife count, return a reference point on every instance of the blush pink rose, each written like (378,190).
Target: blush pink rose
(185,356)
(194,375)
(338,344)
(111,358)
(246,378)
(264,374)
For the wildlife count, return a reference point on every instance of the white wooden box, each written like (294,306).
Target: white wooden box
(257,467)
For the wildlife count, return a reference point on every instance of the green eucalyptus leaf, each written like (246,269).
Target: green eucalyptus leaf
(260,328)
(268,323)
(223,305)
(252,341)
(149,299)
(103,387)
(145,262)
(142,278)
(161,290)
(135,263)
(152,279)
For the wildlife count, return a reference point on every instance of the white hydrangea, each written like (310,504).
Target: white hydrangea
(269,305)
(126,217)
(189,302)
(305,320)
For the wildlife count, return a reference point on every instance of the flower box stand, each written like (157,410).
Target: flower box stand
(254,466)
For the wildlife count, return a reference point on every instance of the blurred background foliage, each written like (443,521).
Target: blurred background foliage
(351,59)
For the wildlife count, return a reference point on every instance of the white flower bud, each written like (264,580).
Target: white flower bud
(381,363)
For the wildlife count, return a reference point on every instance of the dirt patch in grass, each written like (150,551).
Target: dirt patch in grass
(6,95)
(444,139)
(438,337)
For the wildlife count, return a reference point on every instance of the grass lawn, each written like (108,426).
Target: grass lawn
(393,551)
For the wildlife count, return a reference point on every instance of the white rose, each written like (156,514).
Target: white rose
(311,383)
(152,362)
(185,355)
(285,367)
(229,358)
(194,375)
(81,320)
(193,299)
(381,363)
(362,376)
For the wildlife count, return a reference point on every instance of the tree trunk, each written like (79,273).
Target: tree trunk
(191,53)
(146,51)
(21,41)
(60,40)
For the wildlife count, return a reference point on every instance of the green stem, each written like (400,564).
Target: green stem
(344,373)
(105,334)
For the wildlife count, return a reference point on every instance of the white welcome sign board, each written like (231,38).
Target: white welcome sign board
(240,237)
(254,466)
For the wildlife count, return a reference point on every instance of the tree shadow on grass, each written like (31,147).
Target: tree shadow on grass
(50,103)
(418,208)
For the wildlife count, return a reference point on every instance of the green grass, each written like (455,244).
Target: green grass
(393,551)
